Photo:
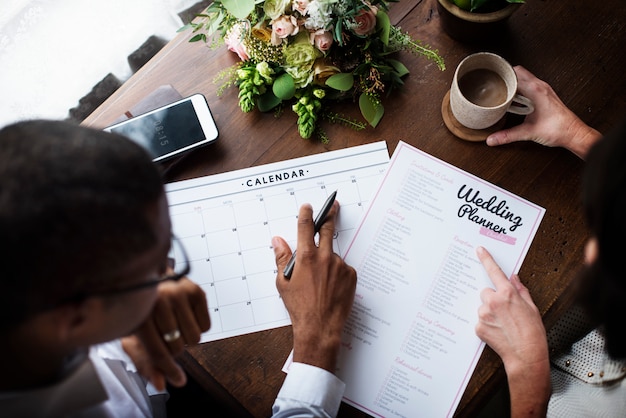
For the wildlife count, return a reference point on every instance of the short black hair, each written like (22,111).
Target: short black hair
(603,283)
(73,205)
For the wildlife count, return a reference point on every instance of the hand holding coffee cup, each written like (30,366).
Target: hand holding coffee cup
(483,89)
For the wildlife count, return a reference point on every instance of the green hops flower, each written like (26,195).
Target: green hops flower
(247,94)
(248,81)
(319,93)
(307,108)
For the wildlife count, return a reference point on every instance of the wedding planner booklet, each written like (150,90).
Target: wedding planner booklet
(409,346)
(226,222)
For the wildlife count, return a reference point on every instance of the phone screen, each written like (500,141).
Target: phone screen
(165,131)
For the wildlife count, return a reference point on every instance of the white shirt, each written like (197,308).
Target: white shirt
(101,383)
(308,391)
(105,384)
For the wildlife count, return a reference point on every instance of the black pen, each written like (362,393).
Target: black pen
(317,224)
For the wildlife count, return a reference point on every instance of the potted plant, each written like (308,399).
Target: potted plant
(475,20)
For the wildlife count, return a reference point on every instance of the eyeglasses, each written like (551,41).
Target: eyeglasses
(177,272)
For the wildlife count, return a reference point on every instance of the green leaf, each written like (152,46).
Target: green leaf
(339,32)
(198,37)
(371,110)
(284,87)
(341,81)
(267,101)
(398,66)
(239,8)
(383,22)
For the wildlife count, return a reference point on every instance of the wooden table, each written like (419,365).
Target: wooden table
(577,46)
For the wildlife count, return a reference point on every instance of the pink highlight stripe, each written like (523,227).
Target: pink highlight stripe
(497,236)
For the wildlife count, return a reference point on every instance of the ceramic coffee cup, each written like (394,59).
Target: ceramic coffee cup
(483,89)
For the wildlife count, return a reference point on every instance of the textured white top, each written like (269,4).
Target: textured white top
(586,382)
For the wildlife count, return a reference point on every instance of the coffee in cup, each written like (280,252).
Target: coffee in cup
(483,89)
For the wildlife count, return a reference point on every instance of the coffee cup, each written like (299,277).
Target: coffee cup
(483,89)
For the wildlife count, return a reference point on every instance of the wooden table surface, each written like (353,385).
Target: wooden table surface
(577,46)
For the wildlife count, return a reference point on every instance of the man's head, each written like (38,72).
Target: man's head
(604,201)
(81,211)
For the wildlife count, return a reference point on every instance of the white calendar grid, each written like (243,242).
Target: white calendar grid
(226,221)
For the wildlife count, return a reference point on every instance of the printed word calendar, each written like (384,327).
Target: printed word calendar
(225,223)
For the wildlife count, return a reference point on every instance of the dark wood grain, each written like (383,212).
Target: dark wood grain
(576,46)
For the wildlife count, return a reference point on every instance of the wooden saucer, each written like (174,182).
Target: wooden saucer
(460,131)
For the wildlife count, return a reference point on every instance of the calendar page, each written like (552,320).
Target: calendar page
(226,221)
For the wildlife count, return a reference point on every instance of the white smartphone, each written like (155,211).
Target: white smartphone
(171,129)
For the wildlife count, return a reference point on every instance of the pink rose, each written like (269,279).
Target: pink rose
(283,27)
(322,39)
(365,21)
(234,42)
(300,6)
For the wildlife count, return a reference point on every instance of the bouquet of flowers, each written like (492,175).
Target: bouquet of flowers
(304,53)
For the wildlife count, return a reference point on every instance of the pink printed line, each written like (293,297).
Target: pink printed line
(497,236)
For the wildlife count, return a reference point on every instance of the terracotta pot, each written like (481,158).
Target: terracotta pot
(467,26)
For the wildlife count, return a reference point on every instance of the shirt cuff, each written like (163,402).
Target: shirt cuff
(313,385)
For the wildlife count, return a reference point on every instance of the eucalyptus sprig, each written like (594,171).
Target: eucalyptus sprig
(343,120)
(399,41)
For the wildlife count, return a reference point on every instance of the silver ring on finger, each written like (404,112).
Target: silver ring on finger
(171,336)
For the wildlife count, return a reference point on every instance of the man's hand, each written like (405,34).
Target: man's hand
(319,294)
(551,124)
(510,323)
(181,311)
